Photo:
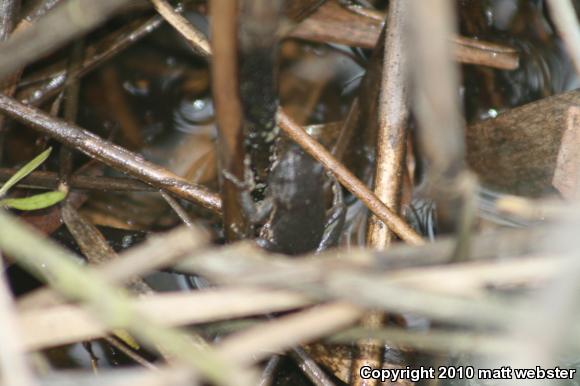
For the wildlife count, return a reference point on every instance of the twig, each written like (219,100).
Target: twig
(566,21)
(310,367)
(110,154)
(269,371)
(93,244)
(177,208)
(436,84)
(109,304)
(49,180)
(13,364)
(8,11)
(114,44)
(71,107)
(393,112)
(229,116)
(194,37)
(129,352)
(332,23)
(53,30)
(348,180)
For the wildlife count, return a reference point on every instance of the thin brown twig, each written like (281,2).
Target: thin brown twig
(110,154)
(49,180)
(393,113)
(310,367)
(130,353)
(71,107)
(269,371)
(348,180)
(177,208)
(229,116)
(8,13)
(104,50)
(194,37)
(335,24)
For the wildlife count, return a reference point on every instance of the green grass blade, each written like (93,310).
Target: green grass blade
(24,171)
(38,201)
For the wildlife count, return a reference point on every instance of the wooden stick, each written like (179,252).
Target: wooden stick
(110,154)
(194,37)
(335,24)
(348,180)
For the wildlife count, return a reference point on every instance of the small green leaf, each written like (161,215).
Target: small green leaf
(38,201)
(25,170)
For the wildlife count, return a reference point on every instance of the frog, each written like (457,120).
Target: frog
(294,216)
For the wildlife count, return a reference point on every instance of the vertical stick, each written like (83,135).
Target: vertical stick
(229,113)
(393,113)
(436,84)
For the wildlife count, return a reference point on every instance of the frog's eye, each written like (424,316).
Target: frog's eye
(193,114)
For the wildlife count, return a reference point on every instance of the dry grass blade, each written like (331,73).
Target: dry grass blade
(566,21)
(436,83)
(71,19)
(417,291)
(109,304)
(68,323)
(159,251)
(259,342)
(171,376)
(14,368)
